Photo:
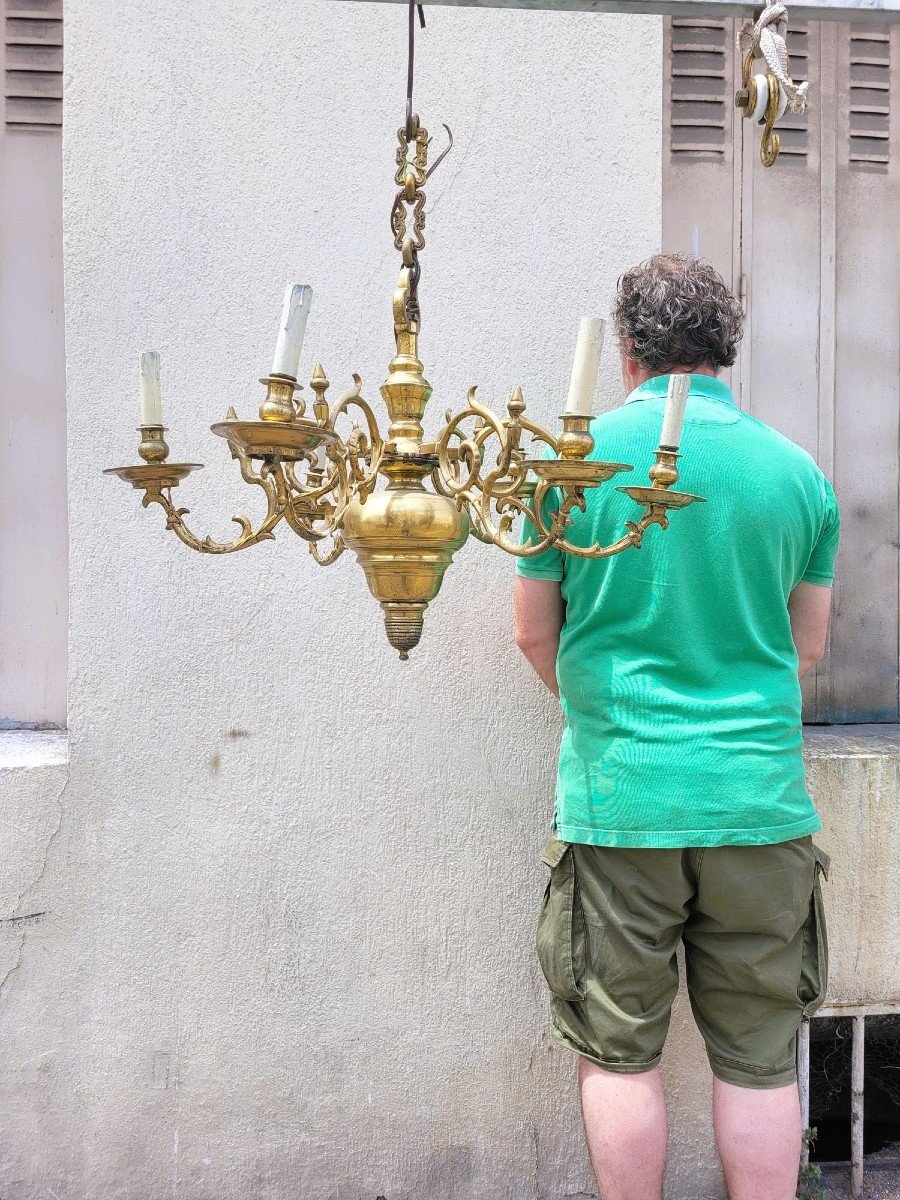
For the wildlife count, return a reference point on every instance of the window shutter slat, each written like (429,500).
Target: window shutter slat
(699,89)
(33,33)
(870,96)
(793,128)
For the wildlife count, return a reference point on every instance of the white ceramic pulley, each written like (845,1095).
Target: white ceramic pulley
(762,100)
(761,84)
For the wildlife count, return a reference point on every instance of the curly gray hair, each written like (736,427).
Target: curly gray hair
(675,311)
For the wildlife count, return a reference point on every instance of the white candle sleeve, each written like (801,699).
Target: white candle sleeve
(679,386)
(151,398)
(294,315)
(585,365)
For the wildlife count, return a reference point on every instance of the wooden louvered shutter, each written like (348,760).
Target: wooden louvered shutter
(864,358)
(793,128)
(811,247)
(870,99)
(699,88)
(698,140)
(33,64)
(781,239)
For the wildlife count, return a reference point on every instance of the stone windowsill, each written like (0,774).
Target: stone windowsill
(30,749)
(851,741)
(27,749)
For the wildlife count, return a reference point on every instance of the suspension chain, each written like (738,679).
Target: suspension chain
(409,203)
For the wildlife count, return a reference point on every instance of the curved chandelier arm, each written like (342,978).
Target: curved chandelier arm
(317,522)
(460,465)
(363,450)
(269,477)
(322,495)
(551,532)
(313,517)
(508,507)
(495,498)
(327,557)
(348,469)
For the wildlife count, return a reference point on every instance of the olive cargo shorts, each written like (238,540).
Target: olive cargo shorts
(753,928)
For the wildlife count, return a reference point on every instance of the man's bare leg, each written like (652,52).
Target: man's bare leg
(759,1138)
(625,1126)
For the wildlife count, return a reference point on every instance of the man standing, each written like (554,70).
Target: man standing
(681,808)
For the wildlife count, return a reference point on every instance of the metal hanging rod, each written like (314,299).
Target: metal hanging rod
(860,12)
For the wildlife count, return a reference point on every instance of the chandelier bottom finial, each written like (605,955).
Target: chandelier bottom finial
(404,538)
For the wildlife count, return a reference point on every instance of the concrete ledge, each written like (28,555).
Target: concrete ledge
(851,741)
(853,775)
(27,749)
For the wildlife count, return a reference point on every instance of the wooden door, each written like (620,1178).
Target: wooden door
(812,247)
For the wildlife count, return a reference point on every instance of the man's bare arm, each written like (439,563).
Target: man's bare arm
(539,618)
(809,605)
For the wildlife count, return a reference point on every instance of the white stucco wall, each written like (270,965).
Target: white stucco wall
(290,902)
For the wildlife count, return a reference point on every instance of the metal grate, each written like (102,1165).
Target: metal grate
(700,91)
(870,99)
(33,64)
(855,1052)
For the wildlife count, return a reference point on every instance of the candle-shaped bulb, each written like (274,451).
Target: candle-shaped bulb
(294,315)
(151,399)
(585,365)
(679,386)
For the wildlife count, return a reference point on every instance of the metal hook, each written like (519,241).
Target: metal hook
(771,142)
(437,162)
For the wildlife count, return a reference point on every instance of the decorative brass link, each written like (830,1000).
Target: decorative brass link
(410,177)
(409,203)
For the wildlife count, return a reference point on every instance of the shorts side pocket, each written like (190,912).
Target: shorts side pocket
(814,968)
(560,930)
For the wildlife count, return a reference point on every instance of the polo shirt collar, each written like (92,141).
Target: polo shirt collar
(701,385)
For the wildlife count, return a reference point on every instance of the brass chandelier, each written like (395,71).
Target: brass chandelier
(337,487)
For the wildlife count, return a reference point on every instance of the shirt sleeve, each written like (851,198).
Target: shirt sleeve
(820,568)
(549,563)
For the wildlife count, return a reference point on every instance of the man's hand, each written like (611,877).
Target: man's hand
(809,605)
(539,618)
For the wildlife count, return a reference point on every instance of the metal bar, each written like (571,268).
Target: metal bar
(857,1079)
(890,1008)
(803,1084)
(886,12)
(884,1164)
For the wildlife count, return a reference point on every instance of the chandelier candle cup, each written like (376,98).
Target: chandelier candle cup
(585,366)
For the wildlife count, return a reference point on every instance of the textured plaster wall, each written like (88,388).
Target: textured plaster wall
(291,883)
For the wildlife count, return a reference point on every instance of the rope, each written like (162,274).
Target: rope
(766,40)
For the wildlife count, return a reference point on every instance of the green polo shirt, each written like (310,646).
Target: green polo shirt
(677,671)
